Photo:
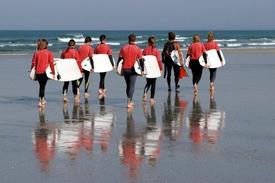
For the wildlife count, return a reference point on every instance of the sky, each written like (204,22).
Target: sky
(137,15)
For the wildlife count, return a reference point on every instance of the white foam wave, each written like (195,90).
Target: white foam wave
(226,40)
(259,39)
(141,42)
(261,44)
(139,37)
(181,38)
(20,45)
(234,45)
(76,39)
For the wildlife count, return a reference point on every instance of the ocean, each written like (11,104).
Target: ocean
(23,42)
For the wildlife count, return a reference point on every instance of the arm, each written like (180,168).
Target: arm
(34,61)
(51,63)
(158,59)
(204,57)
(141,62)
(109,52)
(220,56)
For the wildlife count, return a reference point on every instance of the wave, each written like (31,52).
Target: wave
(226,40)
(261,44)
(141,42)
(20,45)
(139,37)
(234,44)
(77,39)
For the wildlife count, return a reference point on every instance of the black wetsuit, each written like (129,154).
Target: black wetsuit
(42,80)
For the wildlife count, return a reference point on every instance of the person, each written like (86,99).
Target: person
(130,53)
(71,52)
(103,48)
(209,45)
(195,50)
(170,46)
(85,51)
(41,60)
(151,82)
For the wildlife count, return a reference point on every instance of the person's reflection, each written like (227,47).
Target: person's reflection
(130,148)
(173,117)
(152,136)
(76,133)
(103,124)
(197,122)
(44,142)
(214,122)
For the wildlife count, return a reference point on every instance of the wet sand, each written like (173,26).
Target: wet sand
(181,139)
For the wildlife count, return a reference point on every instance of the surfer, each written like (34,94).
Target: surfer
(209,45)
(85,51)
(195,50)
(41,60)
(170,46)
(72,53)
(130,53)
(151,82)
(103,48)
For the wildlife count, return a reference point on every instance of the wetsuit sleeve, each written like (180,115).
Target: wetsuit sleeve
(220,56)
(120,57)
(51,62)
(205,57)
(111,60)
(34,61)
(92,62)
(188,52)
(163,53)
(158,59)
(141,62)
(91,52)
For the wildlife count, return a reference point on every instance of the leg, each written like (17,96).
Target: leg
(213,75)
(176,75)
(153,89)
(132,84)
(86,75)
(146,88)
(65,88)
(102,78)
(42,79)
(169,69)
(74,86)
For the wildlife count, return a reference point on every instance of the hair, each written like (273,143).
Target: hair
(152,41)
(132,38)
(171,36)
(102,37)
(196,38)
(210,36)
(42,44)
(88,39)
(71,43)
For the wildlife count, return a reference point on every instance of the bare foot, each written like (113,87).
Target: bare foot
(152,101)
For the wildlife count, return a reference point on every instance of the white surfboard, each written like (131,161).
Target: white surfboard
(151,67)
(187,62)
(176,58)
(136,66)
(67,69)
(101,63)
(213,60)
(32,74)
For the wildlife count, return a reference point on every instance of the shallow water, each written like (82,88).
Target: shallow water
(181,139)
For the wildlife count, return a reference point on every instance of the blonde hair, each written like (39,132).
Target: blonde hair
(210,36)
(196,38)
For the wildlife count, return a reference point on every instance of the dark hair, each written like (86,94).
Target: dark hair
(71,43)
(132,38)
(102,37)
(43,44)
(171,36)
(152,41)
(196,38)
(88,39)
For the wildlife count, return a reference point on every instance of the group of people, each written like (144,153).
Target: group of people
(130,54)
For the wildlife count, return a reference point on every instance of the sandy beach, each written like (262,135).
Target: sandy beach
(181,139)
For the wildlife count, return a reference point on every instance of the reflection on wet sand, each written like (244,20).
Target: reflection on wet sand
(205,126)
(173,117)
(44,142)
(137,146)
(80,131)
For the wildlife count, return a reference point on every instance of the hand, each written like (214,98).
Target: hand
(114,68)
(92,70)
(53,77)
(142,73)
(206,66)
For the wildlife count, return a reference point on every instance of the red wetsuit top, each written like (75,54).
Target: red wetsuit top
(103,49)
(85,51)
(41,60)
(195,50)
(72,53)
(210,45)
(130,53)
(149,50)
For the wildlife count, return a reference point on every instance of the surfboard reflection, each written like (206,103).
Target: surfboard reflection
(205,126)
(135,146)
(173,117)
(81,130)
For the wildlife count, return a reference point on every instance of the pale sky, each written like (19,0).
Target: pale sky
(137,14)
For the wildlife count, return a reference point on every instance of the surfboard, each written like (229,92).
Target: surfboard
(176,58)
(151,67)
(137,68)
(65,70)
(101,63)
(187,62)
(32,74)
(213,60)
